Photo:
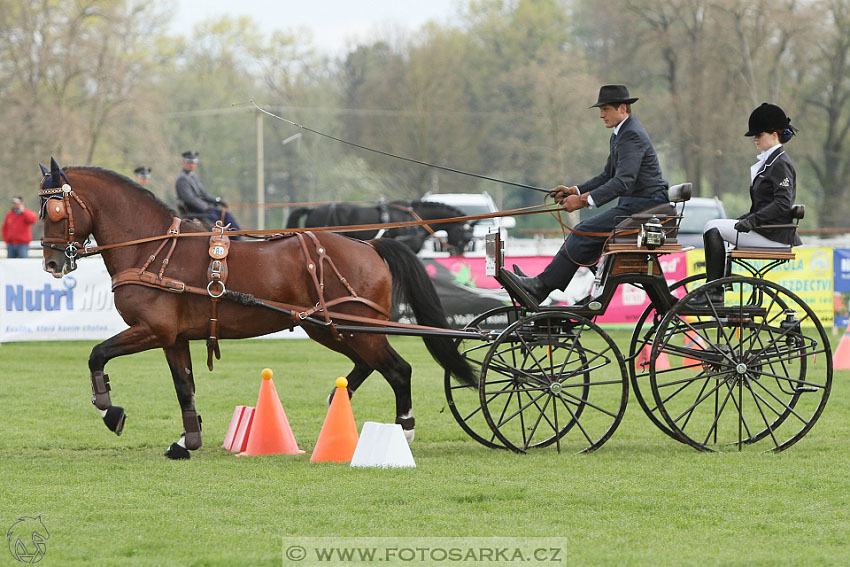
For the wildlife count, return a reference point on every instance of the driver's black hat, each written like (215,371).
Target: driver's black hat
(614,95)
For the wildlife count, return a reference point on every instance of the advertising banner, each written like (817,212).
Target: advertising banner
(809,276)
(467,292)
(38,307)
(841,297)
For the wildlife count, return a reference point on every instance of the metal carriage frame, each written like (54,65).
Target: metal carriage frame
(752,371)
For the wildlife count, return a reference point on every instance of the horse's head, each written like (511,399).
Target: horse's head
(459,235)
(66,220)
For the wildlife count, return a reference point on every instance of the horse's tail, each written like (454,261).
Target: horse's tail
(295,216)
(412,283)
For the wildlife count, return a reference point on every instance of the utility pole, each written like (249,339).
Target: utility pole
(261,176)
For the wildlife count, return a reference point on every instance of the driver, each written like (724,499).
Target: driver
(632,174)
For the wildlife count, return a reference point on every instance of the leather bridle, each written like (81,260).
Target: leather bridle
(56,206)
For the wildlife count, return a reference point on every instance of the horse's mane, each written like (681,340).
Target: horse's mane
(435,205)
(125,181)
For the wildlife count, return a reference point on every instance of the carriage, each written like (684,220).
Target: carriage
(752,371)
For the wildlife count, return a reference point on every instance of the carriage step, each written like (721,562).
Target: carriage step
(806,389)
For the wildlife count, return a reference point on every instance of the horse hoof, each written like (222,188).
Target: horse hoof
(177,453)
(114,419)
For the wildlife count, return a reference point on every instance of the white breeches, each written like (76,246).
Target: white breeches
(747,239)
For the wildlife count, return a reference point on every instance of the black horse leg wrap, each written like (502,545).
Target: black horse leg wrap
(407,423)
(192,429)
(100,390)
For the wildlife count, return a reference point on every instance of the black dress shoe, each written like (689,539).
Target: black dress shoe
(706,299)
(518,271)
(533,286)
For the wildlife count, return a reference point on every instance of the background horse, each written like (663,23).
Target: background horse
(83,201)
(459,234)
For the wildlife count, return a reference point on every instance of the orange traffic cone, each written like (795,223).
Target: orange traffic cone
(270,432)
(338,438)
(841,356)
(642,360)
(695,342)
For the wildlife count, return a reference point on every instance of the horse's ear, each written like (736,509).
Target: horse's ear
(57,173)
(43,169)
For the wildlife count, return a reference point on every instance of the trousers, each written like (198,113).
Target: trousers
(579,249)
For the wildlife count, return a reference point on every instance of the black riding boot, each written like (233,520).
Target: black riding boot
(535,287)
(715,268)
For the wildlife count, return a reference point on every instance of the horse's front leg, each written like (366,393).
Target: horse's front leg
(137,338)
(180,362)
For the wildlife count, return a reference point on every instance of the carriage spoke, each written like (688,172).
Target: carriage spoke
(545,355)
(764,417)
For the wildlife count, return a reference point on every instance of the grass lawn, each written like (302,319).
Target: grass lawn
(642,499)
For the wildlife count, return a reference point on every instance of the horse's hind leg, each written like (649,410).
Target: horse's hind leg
(358,374)
(135,339)
(180,362)
(397,372)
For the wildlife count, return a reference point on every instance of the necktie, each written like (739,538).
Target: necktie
(611,143)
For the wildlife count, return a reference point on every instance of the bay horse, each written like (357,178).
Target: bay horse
(176,306)
(458,234)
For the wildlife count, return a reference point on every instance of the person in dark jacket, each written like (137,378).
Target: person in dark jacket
(143,175)
(192,198)
(773,188)
(631,173)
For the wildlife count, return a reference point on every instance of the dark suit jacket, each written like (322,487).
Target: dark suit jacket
(191,194)
(772,194)
(632,168)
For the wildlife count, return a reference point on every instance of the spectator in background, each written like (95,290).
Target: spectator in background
(17,231)
(194,201)
(143,175)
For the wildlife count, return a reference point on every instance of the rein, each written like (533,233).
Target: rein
(396,156)
(74,249)
(92,250)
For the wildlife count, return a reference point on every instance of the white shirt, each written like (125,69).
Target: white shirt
(620,125)
(759,165)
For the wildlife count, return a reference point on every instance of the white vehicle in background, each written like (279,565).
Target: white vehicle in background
(470,204)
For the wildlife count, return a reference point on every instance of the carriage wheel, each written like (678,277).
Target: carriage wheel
(641,345)
(753,385)
(464,401)
(536,387)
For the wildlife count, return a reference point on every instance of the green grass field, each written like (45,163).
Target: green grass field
(642,499)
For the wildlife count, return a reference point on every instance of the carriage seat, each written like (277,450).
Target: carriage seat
(771,253)
(624,232)
(198,218)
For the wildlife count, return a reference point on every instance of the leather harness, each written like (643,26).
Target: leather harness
(217,274)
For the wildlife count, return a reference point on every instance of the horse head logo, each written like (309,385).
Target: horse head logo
(27,539)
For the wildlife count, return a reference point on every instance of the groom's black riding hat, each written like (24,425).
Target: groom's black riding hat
(614,95)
